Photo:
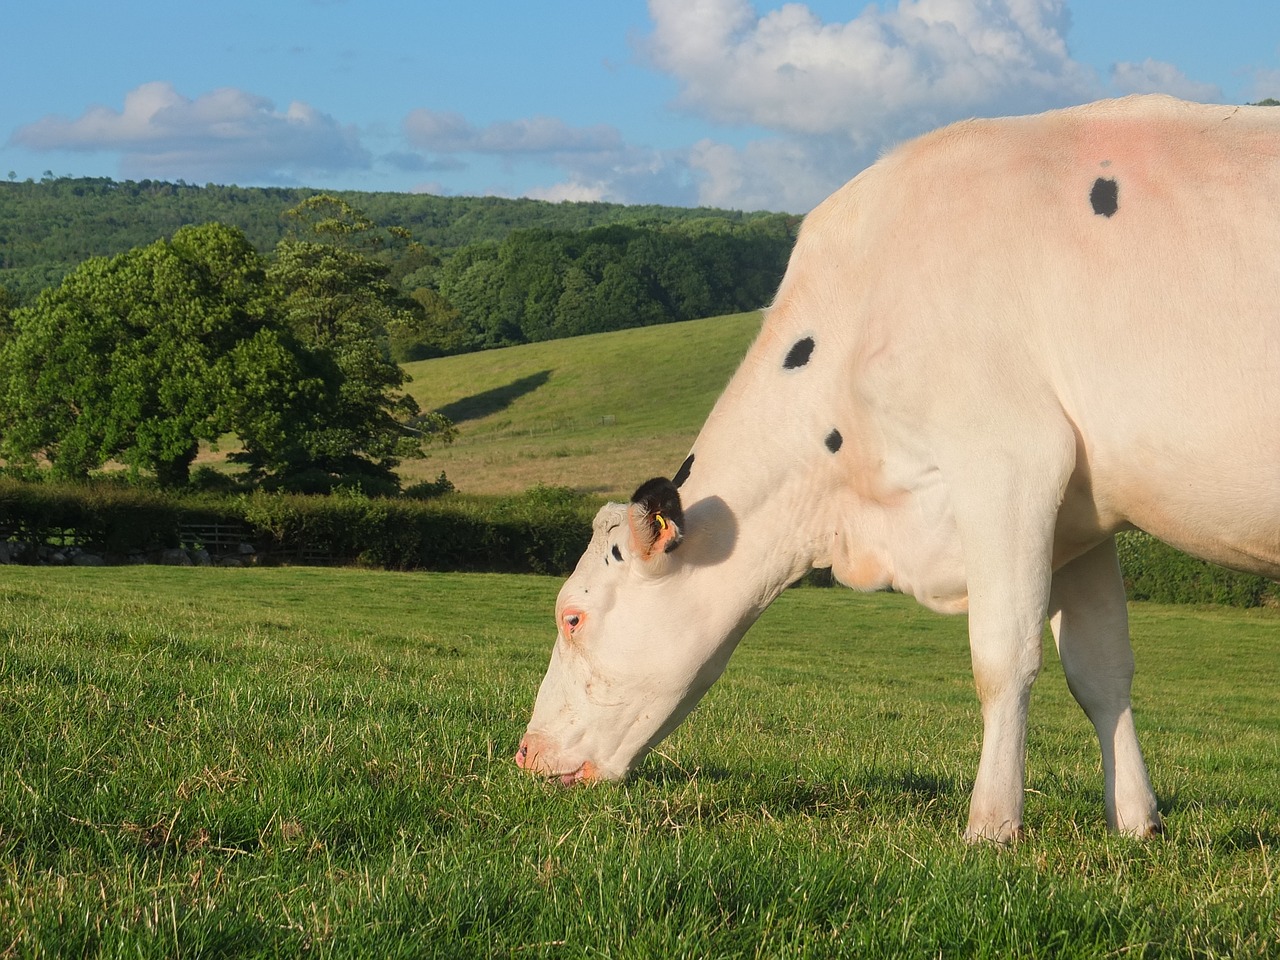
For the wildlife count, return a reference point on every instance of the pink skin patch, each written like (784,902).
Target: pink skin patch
(584,774)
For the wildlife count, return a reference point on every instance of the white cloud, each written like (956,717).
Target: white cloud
(573,190)
(828,98)
(882,75)
(590,162)
(778,174)
(1155,76)
(227,134)
(445,132)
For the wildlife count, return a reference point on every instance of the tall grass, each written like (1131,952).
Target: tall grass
(316,762)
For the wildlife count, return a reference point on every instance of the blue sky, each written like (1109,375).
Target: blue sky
(727,102)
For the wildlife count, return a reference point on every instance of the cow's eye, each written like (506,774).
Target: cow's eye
(572,620)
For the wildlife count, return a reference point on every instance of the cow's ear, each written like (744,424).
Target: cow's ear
(656,518)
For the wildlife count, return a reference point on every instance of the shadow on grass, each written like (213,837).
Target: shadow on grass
(1236,824)
(493,401)
(745,790)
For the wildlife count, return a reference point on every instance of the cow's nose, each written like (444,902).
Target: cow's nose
(522,755)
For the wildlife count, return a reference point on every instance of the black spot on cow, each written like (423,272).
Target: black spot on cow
(683,473)
(834,441)
(617,554)
(799,354)
(1105,197)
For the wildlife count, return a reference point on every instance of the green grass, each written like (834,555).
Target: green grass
(599,413)
(316,762)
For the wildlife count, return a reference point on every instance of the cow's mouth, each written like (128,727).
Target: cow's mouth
(584,774)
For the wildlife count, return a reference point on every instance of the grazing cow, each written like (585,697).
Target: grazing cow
(991,351)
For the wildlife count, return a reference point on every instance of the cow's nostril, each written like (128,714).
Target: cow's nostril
(522,754)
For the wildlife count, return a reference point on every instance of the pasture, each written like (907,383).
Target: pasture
(599,413)
(317,762)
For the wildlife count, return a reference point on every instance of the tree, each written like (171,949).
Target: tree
(56,372)
(472,282)
(139,358)
(340,304)
(577,304)
(7,304)
(438,330)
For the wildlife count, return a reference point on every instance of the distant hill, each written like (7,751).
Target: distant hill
(48,227)
(599,413)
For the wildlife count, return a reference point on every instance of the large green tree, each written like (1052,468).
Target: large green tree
(140,357)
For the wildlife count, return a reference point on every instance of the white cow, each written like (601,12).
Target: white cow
(992,350)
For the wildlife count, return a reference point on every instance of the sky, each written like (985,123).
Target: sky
(728,103)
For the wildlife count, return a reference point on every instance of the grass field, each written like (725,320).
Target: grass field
(316,762)
(599,413)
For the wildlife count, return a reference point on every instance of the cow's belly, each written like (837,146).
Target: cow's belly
(1246,538)
(1213,493)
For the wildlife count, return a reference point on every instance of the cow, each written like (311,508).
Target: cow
(991,351)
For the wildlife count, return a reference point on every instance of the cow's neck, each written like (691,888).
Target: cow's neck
(794,474)
(758,515)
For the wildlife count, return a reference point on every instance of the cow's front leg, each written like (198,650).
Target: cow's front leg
(1005,645)
(1005,513)
(1091,627)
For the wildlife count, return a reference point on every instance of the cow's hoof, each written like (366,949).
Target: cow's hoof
(1004,835)
(1144,829)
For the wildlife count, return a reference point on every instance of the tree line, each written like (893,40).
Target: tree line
(542,285)
(49,226)
(480,271)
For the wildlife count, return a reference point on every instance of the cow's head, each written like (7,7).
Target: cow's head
(639,639)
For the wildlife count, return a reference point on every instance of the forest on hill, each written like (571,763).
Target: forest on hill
(481,272)
(47,227)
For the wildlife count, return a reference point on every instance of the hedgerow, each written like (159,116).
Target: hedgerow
(1155,571)
(543,530)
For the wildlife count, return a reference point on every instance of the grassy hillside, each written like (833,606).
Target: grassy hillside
(600,413)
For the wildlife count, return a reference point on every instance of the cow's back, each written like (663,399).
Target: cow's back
(1119,260)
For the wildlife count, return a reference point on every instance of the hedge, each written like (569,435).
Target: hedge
(112,517)
(541,531)
(1156,571)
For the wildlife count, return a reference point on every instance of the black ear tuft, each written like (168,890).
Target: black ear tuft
(683,473)
(658,501)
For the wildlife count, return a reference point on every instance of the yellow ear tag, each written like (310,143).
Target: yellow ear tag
(662,521)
